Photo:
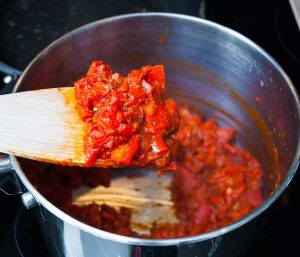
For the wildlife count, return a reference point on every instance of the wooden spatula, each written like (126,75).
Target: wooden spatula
(43,125)
(148,197)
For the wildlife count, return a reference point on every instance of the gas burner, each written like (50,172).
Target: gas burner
(27,236)
(289,38)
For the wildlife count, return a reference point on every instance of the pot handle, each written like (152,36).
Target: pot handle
(8,78)
(9,183)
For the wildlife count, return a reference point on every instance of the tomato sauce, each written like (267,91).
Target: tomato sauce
(130,122)
(216,183)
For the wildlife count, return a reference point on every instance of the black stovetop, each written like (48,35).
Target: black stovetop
(27,26)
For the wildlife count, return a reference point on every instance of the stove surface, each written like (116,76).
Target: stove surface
(27,26)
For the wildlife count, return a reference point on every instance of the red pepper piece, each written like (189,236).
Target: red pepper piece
(123,154)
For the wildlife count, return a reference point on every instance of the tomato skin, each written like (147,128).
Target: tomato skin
(123,154)
(156,75)
(123,113)
(159,145)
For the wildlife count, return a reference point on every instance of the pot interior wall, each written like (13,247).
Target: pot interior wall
(208,68)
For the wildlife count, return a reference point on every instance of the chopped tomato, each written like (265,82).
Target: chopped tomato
(123,154)
(123,113)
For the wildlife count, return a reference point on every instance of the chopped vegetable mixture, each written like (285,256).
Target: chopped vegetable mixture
(130,122)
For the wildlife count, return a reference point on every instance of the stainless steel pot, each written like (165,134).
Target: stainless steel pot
(207,65)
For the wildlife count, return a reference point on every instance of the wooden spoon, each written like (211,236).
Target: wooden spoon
(43,125)
(148,197)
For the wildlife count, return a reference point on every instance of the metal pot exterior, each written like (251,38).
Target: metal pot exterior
(207,65)
(66,240)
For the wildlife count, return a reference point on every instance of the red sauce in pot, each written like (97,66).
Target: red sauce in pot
(216,183)
(130,122)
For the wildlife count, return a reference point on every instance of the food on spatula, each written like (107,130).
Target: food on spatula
(130,122)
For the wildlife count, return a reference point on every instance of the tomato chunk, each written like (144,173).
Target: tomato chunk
(123,154)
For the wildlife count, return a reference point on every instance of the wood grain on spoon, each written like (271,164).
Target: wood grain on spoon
(148,198)
(43,125)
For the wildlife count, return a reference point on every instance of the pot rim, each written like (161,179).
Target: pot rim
(163,242)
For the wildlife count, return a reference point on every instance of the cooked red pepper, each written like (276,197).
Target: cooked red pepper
(130,121)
